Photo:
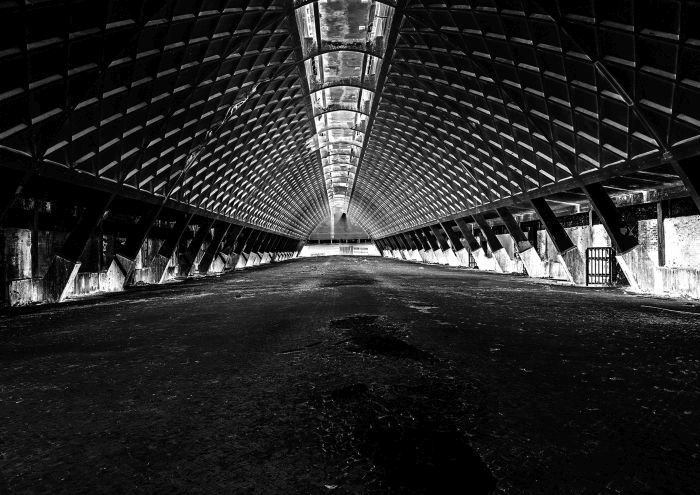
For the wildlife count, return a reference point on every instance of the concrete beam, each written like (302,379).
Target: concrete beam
(569,255)
(620,234)
(689,172)
(528,254)
(65,264)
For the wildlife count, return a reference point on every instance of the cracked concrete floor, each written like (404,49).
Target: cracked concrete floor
(352,375)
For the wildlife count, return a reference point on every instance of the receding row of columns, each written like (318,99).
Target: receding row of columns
(216,246)
(451,242)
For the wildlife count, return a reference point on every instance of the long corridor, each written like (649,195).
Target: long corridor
(352,375)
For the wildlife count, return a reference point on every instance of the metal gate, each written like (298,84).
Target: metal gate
(600,266)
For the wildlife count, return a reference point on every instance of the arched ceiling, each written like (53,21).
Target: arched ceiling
(273,112)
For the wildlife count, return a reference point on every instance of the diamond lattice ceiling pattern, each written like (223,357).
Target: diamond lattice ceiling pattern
(274,113)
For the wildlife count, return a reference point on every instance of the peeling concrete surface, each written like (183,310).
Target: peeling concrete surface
(352,375)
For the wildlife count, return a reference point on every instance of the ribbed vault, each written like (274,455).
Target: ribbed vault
(490,100)
(459,106)
(196,100)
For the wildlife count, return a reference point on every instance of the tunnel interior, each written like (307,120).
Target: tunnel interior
(383,180)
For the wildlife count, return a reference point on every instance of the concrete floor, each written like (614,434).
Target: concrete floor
(352,375)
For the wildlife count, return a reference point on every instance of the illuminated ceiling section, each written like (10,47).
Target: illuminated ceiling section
(343,45)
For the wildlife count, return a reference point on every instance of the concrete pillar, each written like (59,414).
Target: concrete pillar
(60,276)
(125,257)
(412,248)
(190,255)
(161,261)
(404,248)
(635,261)
(483,262)
(273,248)
(568,254)
(444,244)
(433,248)
(220,231)
(528,254)
(424,251)
(395,248)
(379,243)
(251,248)
(503,261)
(461,254)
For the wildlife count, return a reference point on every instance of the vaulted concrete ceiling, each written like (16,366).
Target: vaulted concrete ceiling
(274,113)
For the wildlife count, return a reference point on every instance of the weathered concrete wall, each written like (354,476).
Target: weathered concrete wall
(681,274)
(361,249)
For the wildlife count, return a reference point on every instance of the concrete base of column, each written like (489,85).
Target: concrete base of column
(463,257)
(640,271)
(451,258)
(265,258)
(115,278)
(415,255)
(574,265)
(59,278)
(440,258)
(533,263)
(253,259)
(485,263)
(218,264)
(503,262)
(242,261)
(427,256)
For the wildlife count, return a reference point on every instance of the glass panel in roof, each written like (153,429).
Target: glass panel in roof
(342,43)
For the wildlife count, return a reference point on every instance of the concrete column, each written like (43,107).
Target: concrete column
(190,255)
(635,261)
(461,254)
(424,251)
(64,266)
(220,231)
(223,258)
(404,248)
(568,254)
(483,262)
(161,261)
(261,248)
(433,248)
(273,248)
(251,248)
(503,261)
(380,246)
(412,252)
(125,257)
(443,243)
(395,248)
(236,258)
(528,254)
